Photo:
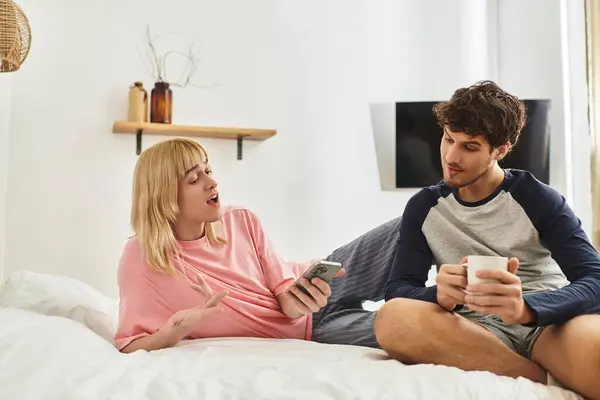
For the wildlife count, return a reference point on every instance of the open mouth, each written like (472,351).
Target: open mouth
(214,200)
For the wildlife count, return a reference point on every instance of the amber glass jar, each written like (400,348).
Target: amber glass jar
(161,103)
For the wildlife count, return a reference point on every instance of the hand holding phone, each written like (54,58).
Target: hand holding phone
(324,270)
(311,291)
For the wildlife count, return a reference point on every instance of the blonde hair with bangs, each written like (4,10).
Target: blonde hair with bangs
(156,178)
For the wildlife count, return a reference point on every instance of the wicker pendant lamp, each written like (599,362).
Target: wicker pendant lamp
(15,36)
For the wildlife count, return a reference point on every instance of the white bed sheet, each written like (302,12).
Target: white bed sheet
(50,357)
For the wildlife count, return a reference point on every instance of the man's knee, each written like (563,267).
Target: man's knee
(400,323)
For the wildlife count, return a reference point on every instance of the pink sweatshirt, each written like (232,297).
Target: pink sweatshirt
(247,266)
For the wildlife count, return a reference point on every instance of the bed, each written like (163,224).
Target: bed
(55,343)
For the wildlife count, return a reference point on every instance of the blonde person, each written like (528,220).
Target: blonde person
(196,269)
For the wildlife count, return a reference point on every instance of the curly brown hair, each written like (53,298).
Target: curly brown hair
(483,109)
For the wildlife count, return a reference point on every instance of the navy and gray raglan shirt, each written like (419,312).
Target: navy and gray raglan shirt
(524,218)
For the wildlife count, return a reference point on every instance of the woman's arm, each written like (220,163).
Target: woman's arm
(160,340)
(280,276)
(142,310)
(180,324)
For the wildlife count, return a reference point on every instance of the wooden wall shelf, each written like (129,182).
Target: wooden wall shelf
(239,134)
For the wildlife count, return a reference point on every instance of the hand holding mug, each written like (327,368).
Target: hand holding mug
(496,290)
(451,283)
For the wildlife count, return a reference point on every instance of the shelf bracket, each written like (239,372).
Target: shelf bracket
(240,143)
(138,142)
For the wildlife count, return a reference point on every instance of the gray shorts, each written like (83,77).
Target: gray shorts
(519,338)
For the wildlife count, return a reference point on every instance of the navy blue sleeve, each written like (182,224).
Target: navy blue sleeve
(413,257)
(560,231)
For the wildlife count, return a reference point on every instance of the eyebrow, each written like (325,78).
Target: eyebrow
(191,169)
(473,141)
(195,167)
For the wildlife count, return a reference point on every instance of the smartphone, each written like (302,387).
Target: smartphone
(324,270)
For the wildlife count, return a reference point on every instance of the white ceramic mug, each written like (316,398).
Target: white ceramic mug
(478,263)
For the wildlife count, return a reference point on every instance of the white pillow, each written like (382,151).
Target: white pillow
(63,297)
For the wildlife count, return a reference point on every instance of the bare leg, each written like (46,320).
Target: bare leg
(413,331)
(571,353)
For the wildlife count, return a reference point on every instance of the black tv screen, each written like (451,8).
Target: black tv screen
(418,138)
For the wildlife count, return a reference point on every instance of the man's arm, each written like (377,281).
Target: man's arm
(560,231)
(413,257)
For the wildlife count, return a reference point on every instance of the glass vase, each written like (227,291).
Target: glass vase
(161,103)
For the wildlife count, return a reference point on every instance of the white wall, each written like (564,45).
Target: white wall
(5,84)
(530,65)
(300,67)
(310,69)
(541,54)
(423,51)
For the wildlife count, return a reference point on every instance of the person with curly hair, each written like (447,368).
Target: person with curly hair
(539,318)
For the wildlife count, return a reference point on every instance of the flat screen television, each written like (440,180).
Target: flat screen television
(418,137)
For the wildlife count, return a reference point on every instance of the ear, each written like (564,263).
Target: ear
(502,151)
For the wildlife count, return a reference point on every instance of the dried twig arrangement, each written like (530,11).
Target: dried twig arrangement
(157,64)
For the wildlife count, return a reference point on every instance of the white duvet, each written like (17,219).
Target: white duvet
(65,357)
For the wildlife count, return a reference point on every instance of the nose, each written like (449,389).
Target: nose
(211,183)
(452,155)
